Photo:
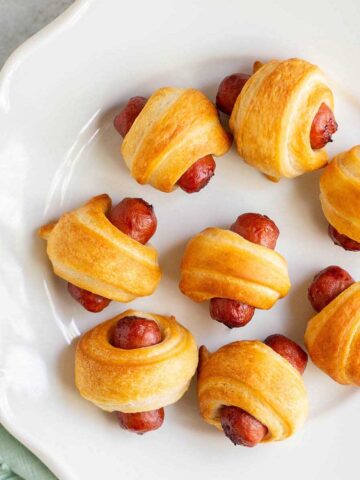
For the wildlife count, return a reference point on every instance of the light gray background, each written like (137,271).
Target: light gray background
(19,19)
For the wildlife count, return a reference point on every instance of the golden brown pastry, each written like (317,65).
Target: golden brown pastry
(340,198)
(173,129)
(140,379)
(332,336)
(251,378)
(273,116)
(222,263)
(88,251)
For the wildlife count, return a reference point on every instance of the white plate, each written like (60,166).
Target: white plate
(58,95)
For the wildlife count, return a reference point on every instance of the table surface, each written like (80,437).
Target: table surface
(19,19)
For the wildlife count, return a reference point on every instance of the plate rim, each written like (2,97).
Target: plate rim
(66,20)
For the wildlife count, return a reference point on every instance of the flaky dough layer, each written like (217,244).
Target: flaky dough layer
(340,193)
(135,380)
(221,263)
(272,118)
(86,249)
(332,337)
(251,376)
(176,128)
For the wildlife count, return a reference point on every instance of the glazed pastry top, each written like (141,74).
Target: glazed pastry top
(332,337)
(340,193)
(252,376)
(140,379)
(176,128)
(273,114)
(221,263)
(88,251)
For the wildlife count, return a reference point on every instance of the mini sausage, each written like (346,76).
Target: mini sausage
(258,229)
(124,120)
(291,351)
(198,175)
(141,422)
(228,91)
(135,217)
(323,127)
(231,312)
(132,216)
(90,301)
(136,332)
(327,285)
(241,427)
(342,240)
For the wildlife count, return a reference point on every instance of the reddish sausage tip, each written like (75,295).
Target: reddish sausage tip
(141,422)
(198,175)
(257,65)
(241,427)
(90,301)
(135,217)
(323,127)
(291,351)
(228,91)
(135,332)
(124,120)
(343,241)
(231,312)
(257,228)
(327,285)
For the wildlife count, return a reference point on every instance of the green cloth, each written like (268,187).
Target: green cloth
(18,463)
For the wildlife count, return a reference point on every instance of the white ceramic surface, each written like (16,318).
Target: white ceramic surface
(58,95)
(19,20)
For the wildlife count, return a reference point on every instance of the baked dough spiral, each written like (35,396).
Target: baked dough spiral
(340,193)
(332,337)
(87,250)
(272,118)
(176,128)
(221,263)
(137,380)
(252,376)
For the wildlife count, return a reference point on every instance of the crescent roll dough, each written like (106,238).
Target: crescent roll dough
(252,376)
(135,380)
(176,128)
(90,252)
(272,118)
(332,337)
(340,193)
(221,263)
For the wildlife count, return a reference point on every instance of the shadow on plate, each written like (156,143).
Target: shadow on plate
(306,191)
(170,260)
(187,412)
